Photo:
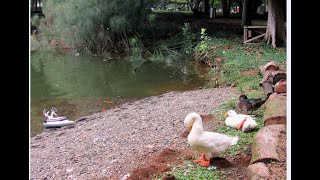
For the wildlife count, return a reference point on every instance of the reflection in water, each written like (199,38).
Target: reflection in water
(79,86)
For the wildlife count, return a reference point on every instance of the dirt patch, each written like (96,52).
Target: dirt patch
(233,167)
(250,72)
(243,160)
(221,162)
(166,159)
(136,140)
(111,144)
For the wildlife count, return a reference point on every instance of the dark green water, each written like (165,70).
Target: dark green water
(80,86)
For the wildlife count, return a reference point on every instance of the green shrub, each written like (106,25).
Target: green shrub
(99,26)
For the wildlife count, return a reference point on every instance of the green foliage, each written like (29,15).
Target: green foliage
(96,25)
(204,45)
(189,38)
(136,50)
(39,44)
(205,51)
(36,20)
(236,59)
(152,17)
(190,172)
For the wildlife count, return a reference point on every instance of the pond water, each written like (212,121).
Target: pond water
(82,85)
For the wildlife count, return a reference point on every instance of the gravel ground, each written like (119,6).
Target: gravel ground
(109,145)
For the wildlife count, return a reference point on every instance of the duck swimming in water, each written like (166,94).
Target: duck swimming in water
(249,104)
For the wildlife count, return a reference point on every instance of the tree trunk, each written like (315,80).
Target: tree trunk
(207,7)
(240,6)
(195,5)
(226,8)
(276,32)
(246,20)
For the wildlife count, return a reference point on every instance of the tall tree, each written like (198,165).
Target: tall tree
(276,31)
(246,19)
(196,4)
(249,10)
(226,8)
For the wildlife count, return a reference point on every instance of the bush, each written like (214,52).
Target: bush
(96,25)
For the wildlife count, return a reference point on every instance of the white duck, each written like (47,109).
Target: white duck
(209,143)
(242,122)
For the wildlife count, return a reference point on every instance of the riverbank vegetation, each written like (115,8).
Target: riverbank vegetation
(147,30)
(150,30)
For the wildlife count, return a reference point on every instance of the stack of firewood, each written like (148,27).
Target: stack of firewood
(275,87)
(274,79)
(265,144)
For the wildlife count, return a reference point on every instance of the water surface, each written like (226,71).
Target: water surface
(82,85)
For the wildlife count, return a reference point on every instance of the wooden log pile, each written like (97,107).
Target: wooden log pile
(276,109)
(265,146)
(273,78)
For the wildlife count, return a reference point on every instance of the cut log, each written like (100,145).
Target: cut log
(276,95)
(265,142)
(273,77)
(276,110)
(281,86)
(267,77)
(271,66)
(267,88)
(258,171)
(278,75)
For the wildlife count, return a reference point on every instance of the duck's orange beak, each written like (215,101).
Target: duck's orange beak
(190,128)
(226,114)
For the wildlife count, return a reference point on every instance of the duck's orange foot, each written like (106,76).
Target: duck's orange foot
(205,163)
(202,161)
(198,160)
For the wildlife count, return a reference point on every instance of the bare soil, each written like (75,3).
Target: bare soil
(112,144)
(137,140)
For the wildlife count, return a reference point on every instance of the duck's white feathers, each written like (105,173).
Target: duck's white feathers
(207,142)
(234,120)
(211,142)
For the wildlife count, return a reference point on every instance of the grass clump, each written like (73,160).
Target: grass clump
(236,58)
(190,171)
(92,26)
